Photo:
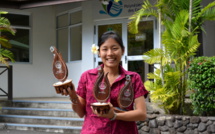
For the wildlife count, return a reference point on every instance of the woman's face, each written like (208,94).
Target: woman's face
(110,53)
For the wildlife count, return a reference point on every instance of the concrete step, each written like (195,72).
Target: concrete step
(42,104)
(44,128)
(26,119)
(5,103)
(41,115)
(38,111)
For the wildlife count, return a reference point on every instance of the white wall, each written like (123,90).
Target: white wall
(88,36)
(35,79)
(76,68)
(209,36)
(66,7)
(209,39)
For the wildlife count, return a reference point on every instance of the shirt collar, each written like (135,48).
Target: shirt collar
(122,71)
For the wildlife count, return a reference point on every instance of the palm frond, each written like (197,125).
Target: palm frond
(149,86)
(145,11)
(207,11)
(5,24)
(196,7)
(6,54)
(153,76)
(4,42)
(156,55)
(172,78)
(189,49)
(176,28)
(3,60)
(192,47)
(209,14)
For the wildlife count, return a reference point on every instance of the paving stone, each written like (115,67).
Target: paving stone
(140,126)
(154,131)
(172,118)
(161,120)
(151,117)
(169,123)
(194,119)
(182,129)
(145,128)
(172,131)
(2,126)
(142,132)
(185,122)
(192,126)
(178,124)
(153,124)
(204,119)
(178,117)
(165,132)
(202,127)
(209,123)
(204,133)
(164,128)
(211,128)
(189,131)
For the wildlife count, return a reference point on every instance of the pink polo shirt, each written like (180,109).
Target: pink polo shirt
(99,125)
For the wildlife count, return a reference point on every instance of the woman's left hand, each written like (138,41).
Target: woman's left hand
(110,114)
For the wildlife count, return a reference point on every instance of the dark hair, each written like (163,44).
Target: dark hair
(113,35)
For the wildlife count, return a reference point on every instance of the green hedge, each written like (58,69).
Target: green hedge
(201,77)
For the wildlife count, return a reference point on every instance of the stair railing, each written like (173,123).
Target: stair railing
(9,92)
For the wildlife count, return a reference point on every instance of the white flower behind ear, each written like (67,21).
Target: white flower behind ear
(105,2)
(94,49)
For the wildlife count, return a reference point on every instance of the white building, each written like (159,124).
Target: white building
(73,28)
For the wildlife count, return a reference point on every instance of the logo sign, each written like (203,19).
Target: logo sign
(111,7)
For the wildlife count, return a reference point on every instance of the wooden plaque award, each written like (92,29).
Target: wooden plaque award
(126,95)
(101,92)
(60,71)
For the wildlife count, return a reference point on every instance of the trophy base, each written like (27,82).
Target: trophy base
(62,85)
(101,107)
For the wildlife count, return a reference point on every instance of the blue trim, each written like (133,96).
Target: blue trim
(43,117)
(36,109)
(43,126)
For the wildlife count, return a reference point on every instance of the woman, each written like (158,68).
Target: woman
(110,50)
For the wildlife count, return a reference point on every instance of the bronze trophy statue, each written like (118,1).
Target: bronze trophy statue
(126,95)
(60,71)
(101,92)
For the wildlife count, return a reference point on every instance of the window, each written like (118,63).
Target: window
(69,35)
(21,41)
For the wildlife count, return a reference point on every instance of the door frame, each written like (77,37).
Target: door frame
(97,59)
(125,58)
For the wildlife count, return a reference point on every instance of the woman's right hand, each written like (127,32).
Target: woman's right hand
(65,89)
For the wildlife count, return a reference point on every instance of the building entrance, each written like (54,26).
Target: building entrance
(135,44)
